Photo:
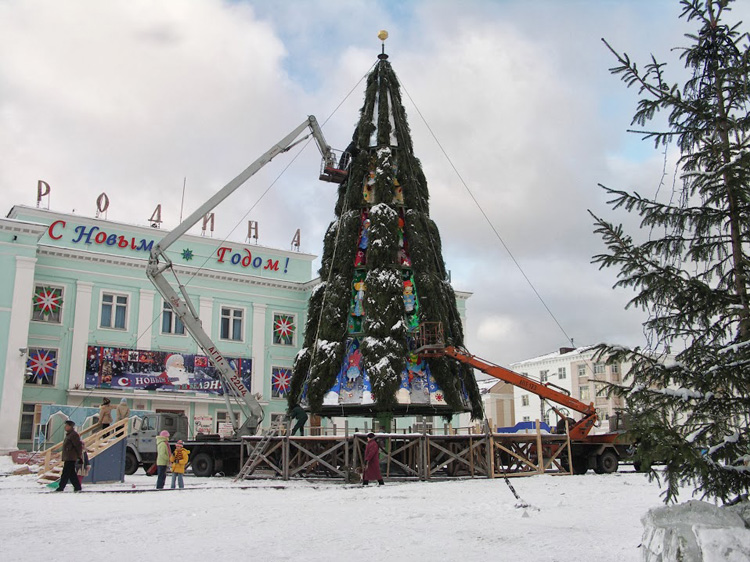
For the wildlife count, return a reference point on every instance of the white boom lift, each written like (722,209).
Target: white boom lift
(181,304)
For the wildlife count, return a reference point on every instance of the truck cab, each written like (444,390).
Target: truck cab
(141,445)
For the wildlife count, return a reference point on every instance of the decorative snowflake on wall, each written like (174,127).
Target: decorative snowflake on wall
(283,329)
(41,366)
(281,380)
(47,300)
(187,254)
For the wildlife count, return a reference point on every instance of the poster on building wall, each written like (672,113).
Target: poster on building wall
(203,424)
(226,429)
(122,368)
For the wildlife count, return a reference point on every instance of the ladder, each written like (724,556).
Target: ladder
(277,427)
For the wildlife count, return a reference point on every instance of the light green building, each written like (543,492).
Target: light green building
(79,321)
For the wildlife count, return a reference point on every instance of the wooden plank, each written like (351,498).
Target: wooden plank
(539,452)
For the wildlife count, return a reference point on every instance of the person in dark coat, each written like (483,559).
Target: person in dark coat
(300,415)
(72,452)
(372,462)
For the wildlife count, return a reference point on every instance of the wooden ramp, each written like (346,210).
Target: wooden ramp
(95,441)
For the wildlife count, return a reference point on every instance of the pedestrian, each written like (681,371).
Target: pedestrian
(123,413)
(300,415)
(105,413)
(72,452)
(179,460)
(162,458)
(372,462)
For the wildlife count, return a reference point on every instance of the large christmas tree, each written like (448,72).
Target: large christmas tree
(382,274)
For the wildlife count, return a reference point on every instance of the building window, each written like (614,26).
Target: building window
(224,422)
(422,424)
(41,366)
(543,376)
(615,370)
(114,311)
(279,419)
(562,373)
(47,302)
(524,400)
(26,430)
(281,380)
(170,322)
(526,418)
(284,328)
(231,323)
(582,370)
(599,368)
(585,393)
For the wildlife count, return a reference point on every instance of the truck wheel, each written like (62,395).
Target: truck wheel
(607,463)
(131,463)
(203,465)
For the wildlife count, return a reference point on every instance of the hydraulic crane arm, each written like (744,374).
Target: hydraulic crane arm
(283,145)
(577,431)
(181,304)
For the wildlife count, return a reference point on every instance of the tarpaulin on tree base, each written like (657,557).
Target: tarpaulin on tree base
(382,275)
(418,393)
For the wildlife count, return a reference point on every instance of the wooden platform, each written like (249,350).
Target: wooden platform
(417,456)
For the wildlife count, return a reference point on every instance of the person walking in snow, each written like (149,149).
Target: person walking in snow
(372,462)
(72,452)
(300,415)
(179,460)
(123,413)
(162,458)
(105,413)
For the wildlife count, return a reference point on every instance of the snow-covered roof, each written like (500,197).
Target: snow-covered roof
(563,353)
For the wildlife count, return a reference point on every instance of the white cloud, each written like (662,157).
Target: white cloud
(129,97)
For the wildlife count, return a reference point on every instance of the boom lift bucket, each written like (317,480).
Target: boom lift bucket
(333,166)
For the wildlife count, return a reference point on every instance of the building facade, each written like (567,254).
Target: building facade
(80,322)
(576,371)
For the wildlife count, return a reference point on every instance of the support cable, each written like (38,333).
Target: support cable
(486,218)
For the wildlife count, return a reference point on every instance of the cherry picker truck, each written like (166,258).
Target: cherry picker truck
(213,454)
(601,452)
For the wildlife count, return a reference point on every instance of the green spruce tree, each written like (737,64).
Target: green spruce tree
(382,274)
(689,267)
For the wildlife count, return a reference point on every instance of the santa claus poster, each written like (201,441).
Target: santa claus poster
(121,368)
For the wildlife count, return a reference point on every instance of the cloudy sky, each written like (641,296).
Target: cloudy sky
(129,97)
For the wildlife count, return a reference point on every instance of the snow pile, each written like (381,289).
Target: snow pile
(6,464)
(694,531)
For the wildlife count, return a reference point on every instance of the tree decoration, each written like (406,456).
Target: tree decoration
(382,274)
(47,300)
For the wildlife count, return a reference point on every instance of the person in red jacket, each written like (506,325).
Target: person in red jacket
(372,462)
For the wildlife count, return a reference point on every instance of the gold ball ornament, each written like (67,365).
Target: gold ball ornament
(382,35)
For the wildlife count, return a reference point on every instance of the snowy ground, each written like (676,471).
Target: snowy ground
(591,517)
